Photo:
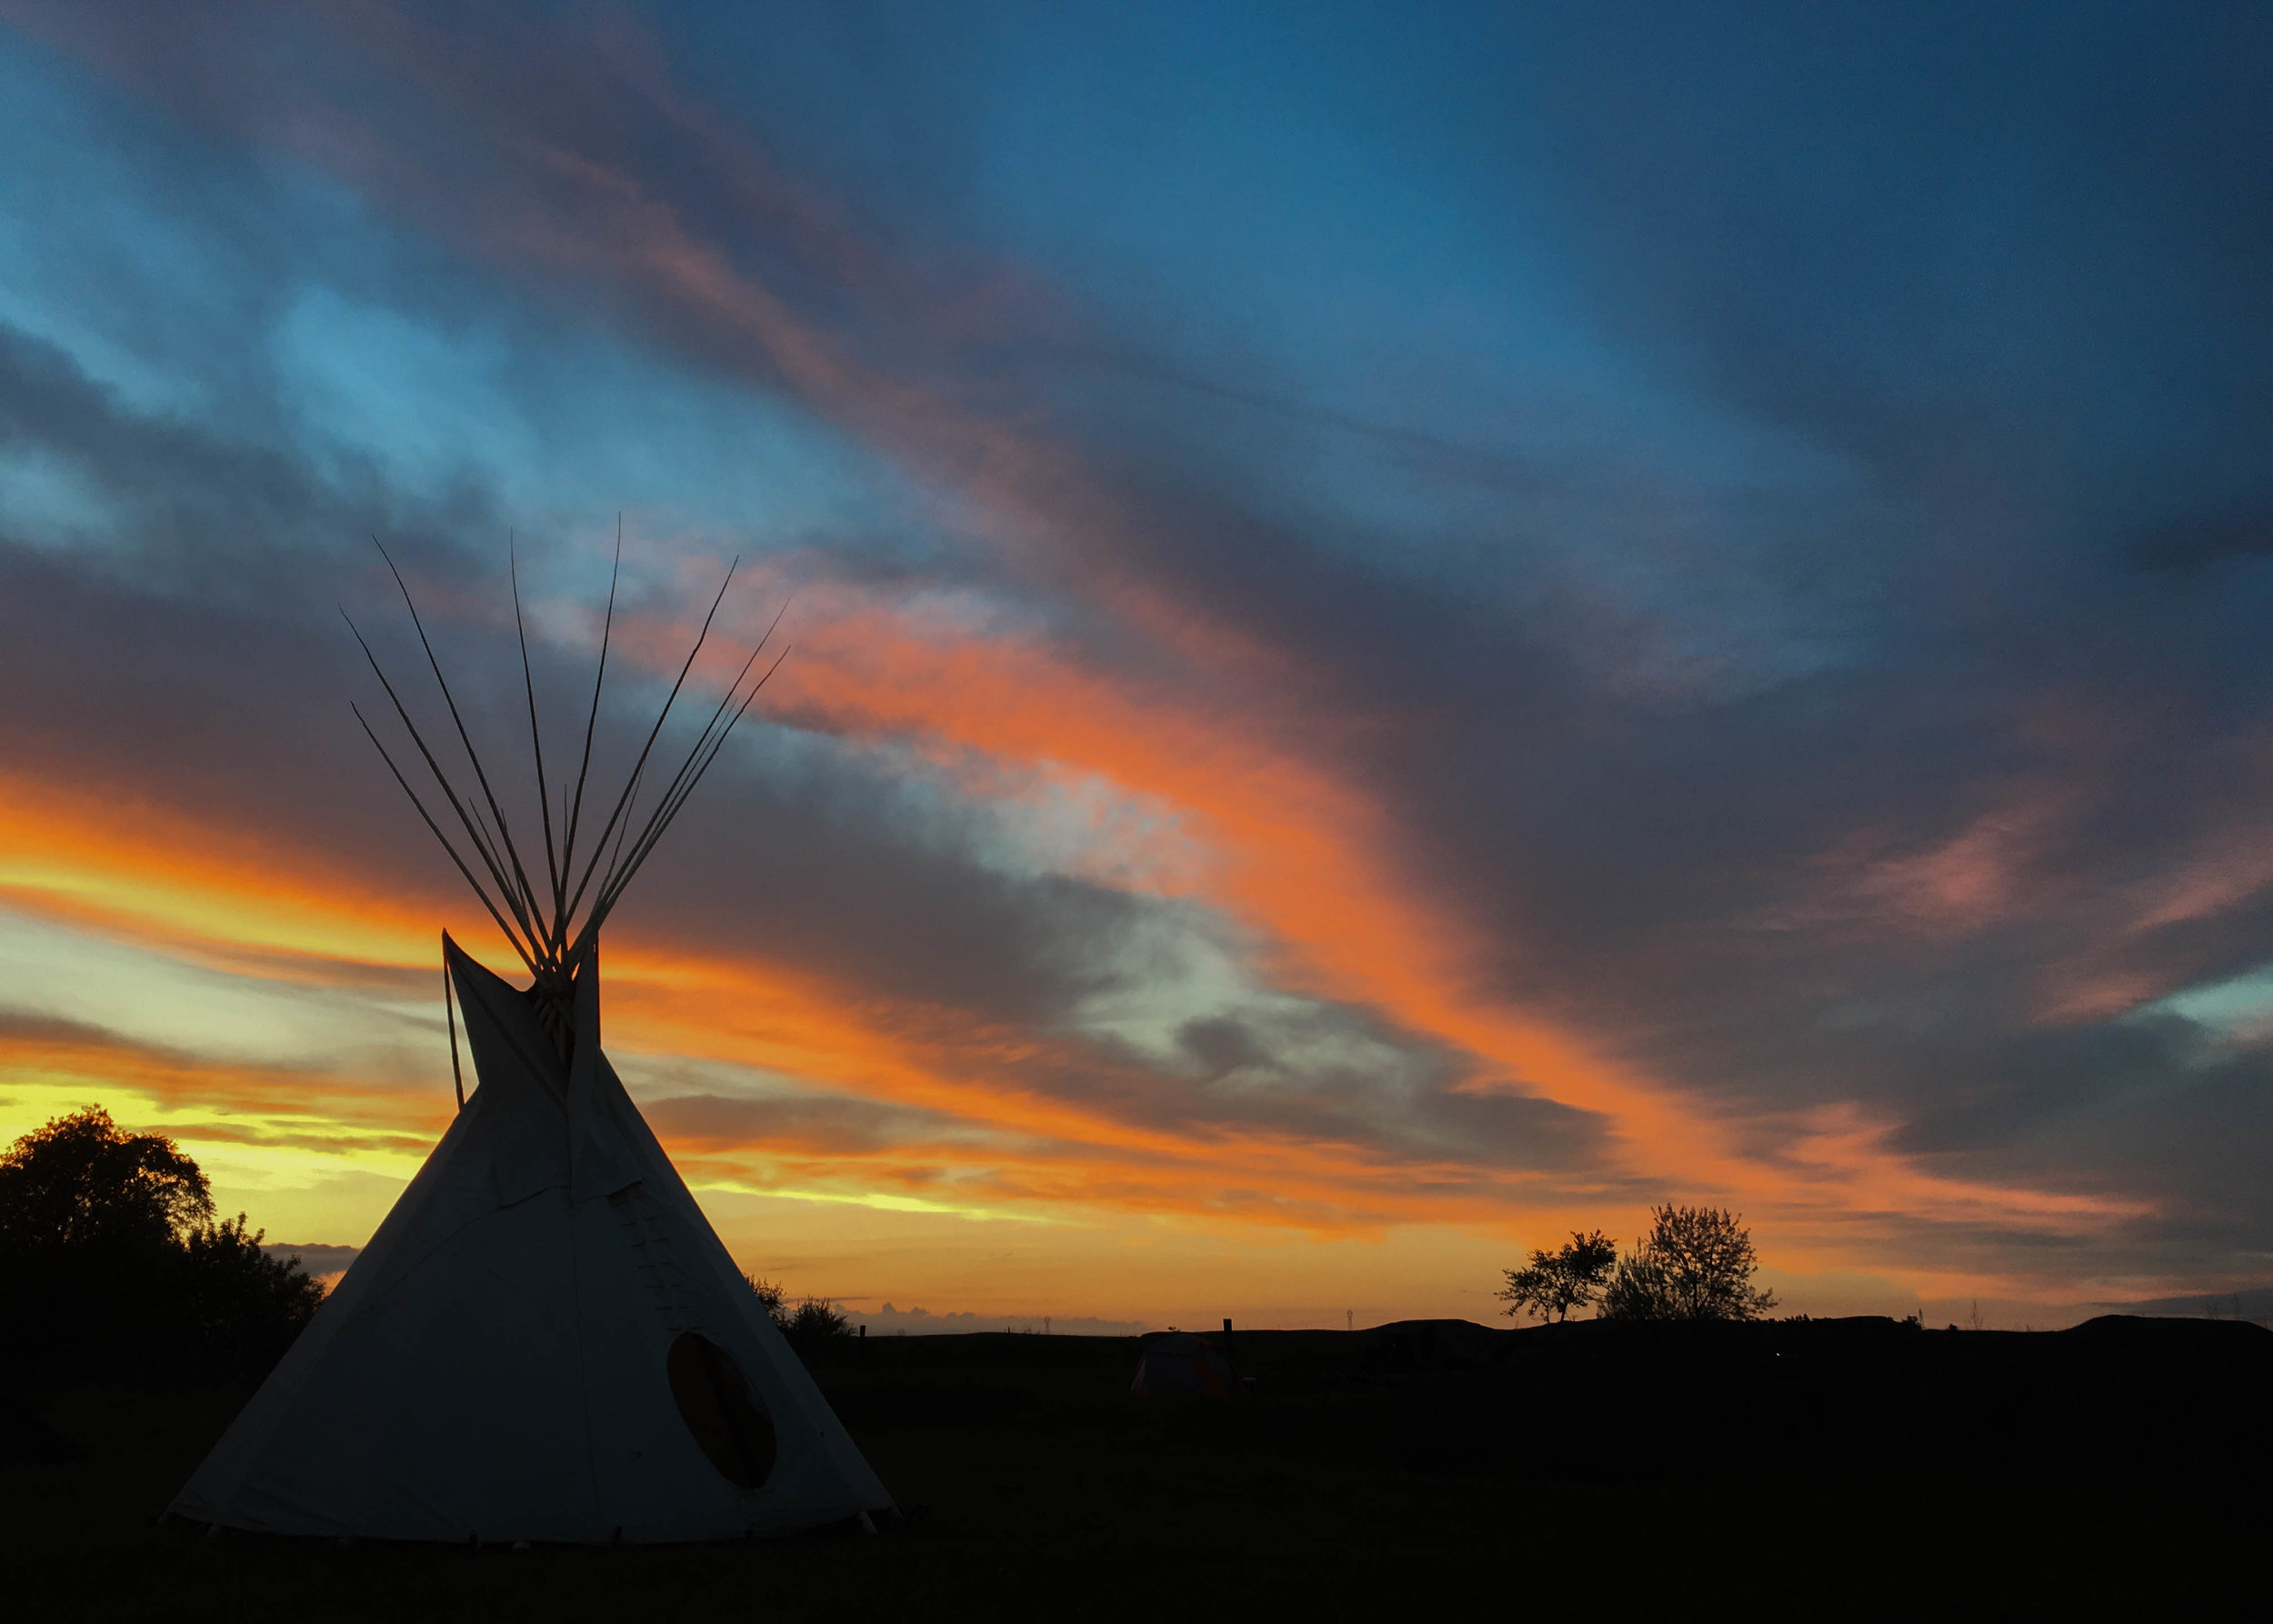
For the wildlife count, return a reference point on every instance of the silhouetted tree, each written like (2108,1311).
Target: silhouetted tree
(1554,1283)
(111,1259)
(83,1181)
(244,1306)
(771,1299)
(1696,1263)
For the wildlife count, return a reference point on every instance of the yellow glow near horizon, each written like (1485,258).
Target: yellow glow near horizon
(268,1025)
(883,1201)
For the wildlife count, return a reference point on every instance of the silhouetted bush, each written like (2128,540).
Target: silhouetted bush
(771,1299)
(113,1263)
(812,1326)
(816,1322)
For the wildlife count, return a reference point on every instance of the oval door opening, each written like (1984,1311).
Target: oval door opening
(714,1402)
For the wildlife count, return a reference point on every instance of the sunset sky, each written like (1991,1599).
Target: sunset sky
(1415,627)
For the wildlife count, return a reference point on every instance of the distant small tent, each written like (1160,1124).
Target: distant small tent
(1178,1364)
(545,1339)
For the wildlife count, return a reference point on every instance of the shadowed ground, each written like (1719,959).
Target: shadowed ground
(1854,1465)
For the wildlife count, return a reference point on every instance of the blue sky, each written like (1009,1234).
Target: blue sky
(1416,628)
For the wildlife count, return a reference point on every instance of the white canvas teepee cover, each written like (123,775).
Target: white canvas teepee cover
(544,1340)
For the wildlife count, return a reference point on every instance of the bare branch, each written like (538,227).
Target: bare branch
(653,734)
(703,739)
(607,626)
(668,814)
(438,835)
(537,742)
(497,870)
(503,830)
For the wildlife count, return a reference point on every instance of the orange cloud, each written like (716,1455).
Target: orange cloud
(1308,864)
(1267,830)
(228,902)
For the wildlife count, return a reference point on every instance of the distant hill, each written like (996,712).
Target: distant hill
(2256,1303)
(320,1262)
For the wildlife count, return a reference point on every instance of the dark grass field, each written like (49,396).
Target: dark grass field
(1836,1467)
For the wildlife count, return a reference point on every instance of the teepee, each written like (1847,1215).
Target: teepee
(544,1340)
